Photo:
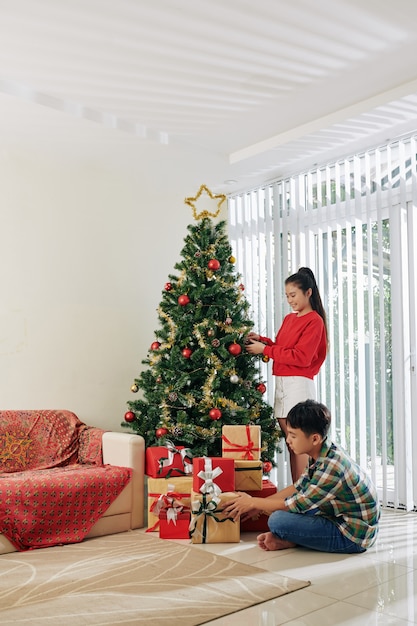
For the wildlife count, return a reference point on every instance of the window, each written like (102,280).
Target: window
(354,223)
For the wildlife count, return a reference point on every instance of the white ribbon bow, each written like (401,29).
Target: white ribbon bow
(208,475)
(172,451)
(172,514)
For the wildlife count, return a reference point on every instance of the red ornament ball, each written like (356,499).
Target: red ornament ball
(161,432)
(155,345)
(183,300)
(261,388)
(213,264)
(186,353)
(235,349)
(215,414)
(267,467)
(129,416)
(168,286)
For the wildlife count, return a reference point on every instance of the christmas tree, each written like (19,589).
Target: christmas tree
(198,375)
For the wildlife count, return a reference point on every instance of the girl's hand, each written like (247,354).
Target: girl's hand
(255,347)
(252,336)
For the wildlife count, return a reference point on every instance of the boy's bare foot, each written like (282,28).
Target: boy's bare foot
(268,541)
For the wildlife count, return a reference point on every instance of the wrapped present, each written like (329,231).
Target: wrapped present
(213,475)
(176,488)
(174,523)
(259,522)
(168,461)
(248,475)
(241,442)
(208,522)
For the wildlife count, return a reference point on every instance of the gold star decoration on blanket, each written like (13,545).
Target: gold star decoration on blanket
(14,448)
(205,213)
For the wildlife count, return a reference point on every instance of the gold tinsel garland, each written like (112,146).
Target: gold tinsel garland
(171,324)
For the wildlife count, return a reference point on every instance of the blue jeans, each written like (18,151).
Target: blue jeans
(311,531)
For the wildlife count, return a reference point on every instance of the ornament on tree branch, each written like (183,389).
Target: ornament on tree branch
(234,379)
(134,388)
(261,388)
(267,467)
(232,259)
(213,265)
(235,349)
(168,286)
(215,414)
(183,300)
(186,353)
(129,416)
(161,432)
(155,345)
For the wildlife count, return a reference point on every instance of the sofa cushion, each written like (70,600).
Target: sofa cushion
(38,439)
(90,445)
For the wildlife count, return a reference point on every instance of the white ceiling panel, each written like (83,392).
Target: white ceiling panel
(274,85)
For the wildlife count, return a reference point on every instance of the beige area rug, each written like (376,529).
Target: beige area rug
(130,578)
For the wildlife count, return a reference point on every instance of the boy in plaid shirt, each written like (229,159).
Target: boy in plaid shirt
(332,507)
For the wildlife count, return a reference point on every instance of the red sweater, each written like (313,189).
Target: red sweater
(300,346)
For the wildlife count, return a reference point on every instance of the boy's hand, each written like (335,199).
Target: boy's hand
(240,505)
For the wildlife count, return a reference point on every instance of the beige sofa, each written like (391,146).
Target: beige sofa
(127,510)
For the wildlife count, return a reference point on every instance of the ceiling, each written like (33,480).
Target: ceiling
(273,86)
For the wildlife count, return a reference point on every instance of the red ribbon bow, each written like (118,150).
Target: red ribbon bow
(248,449)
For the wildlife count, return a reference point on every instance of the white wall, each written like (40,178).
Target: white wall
(87,241)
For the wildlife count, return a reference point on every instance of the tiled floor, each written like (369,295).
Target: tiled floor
(376,587)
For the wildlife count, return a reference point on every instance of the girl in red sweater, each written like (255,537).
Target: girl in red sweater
(298,351)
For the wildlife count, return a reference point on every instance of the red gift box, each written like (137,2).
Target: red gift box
(168,461)
(212,475)
(162,493)
(174,524)
(259,523)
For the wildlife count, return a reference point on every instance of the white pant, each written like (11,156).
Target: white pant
(289,390)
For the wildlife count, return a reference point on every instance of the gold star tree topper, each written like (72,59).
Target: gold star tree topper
(211,196)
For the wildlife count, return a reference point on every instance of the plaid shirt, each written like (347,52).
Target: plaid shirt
(340,490)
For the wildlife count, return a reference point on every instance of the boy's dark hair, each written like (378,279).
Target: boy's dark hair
(311,417)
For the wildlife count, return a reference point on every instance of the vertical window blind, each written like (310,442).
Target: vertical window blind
(354,223)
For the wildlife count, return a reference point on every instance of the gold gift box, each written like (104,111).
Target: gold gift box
(160,486)
(248,475)
(208,523)
(241,442)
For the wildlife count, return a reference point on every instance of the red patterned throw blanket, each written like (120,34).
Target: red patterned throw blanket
(53,484)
